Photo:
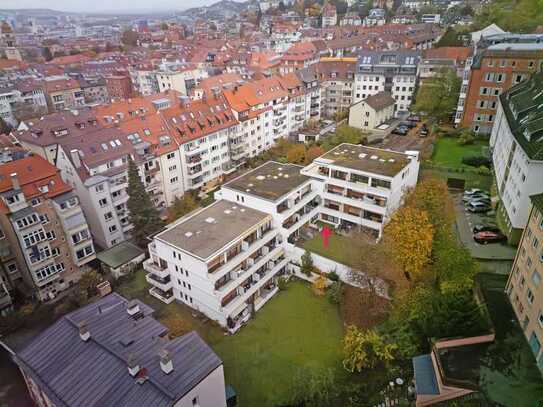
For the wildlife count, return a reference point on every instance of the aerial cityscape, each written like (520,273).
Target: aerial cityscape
(271,203)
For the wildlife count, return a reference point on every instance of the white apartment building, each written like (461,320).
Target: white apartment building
(177,76)
(387,71)
(223,260)
(362,186)
(144,80)
(517,153)
(25,97)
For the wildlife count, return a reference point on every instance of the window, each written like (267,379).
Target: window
(173,180)
(12,268)
(530,296)
(102,202)
(540,319)
(112,228)
(34,237)
(195,402)
(81,235)
(86,251)
(49,270)
(108,216)
(170,156)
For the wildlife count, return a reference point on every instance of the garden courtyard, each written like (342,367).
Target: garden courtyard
(449,153)
(297,329)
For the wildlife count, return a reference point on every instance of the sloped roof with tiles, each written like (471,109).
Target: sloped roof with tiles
(252,94)
(73,372)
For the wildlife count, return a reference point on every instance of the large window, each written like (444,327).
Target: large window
(86,251)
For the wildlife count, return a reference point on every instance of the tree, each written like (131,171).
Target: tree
(313,387)
(296,154)
(182,206)
(129,38)
(5,128)
(47,54)
(365,350)
(312,153)
(307,263)
(409,235)
(143,215)
(88,282)
(319,285)
(335,292)
(438,96)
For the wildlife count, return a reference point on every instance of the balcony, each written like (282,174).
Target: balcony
(164,296)
(159,270)
(164,284)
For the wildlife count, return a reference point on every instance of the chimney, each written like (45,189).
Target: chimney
(75,158)
(133,366)
(84,332)
(15,181)
(166,363)
(132,307)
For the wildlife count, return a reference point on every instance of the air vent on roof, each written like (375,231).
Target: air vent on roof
(242,210)
(250,185)
(374,157)
(188,234)
(228,211)
(363,155)
(247,190)
(260,177)
(286,175)
(275,177)
(391,160)
(381,160)
(210,220)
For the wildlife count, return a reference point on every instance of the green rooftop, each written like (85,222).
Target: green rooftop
(120,254)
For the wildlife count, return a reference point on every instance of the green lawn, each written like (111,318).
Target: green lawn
(294,329)
(448,153)
(509,375)
(340,248)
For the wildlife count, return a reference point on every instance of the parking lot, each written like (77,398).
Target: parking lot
(411,141)
(464,224)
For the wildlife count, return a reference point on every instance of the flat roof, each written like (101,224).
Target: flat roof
(367,159)
(212,228)
(270,181)
(119,254)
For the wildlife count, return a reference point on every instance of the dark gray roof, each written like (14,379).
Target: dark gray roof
(94,373)
(425,376)
(399,57)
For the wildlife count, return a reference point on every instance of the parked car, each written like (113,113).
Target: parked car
(486,237)
(414,118)
(478,207)
(467,198)
(473,191)
(423,132)
(408,124)
(481,227)
(480,199)
(401,130)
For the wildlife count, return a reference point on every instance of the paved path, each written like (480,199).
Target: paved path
(464,226)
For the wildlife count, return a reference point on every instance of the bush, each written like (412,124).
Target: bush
(466,138)
(482,170)
(476,160)
(335,292)
(333,276)
(282,283)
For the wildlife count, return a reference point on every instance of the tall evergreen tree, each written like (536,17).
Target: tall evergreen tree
(143,215)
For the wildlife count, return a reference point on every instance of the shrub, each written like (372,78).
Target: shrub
(333,276)
(335,292)
(476,160)
(282,283)
(307,263)
(482,170)
(466,138)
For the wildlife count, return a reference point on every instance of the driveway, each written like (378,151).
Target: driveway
(464,225)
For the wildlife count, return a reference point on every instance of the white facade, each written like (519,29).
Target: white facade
(363,116)
(207,393)
(517,176)
(179,80)
(34,99)
(352,196)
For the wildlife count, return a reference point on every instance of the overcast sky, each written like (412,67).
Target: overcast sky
(105,5)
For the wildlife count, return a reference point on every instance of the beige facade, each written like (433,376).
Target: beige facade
(525,288)
(363,115)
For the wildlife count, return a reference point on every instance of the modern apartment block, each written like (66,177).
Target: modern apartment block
(394,72)
(45,244)
(517,153)
(223,260)
(493,70)
(362,186)
(336,77)
(114,352)
(524,286)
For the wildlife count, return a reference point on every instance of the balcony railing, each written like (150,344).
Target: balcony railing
(164,284)
(164,296)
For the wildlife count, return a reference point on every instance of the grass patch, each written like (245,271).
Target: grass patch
(448,153)
(293,330)
(473,180)
(509,374)
(340,248)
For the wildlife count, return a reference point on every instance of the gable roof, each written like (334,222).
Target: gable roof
(73,372)
(380,100)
